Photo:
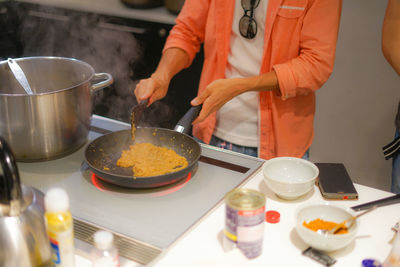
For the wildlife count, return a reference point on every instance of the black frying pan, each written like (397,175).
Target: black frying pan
(103,152)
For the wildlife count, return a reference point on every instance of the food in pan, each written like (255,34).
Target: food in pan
(150,160)
(319,224)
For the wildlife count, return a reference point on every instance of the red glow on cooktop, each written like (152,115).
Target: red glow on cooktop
(154,192)
(96,182)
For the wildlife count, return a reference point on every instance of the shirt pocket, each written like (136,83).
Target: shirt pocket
(292,9)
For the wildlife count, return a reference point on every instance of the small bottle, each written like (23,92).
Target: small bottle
(104,253)
(59,227)
(393,259)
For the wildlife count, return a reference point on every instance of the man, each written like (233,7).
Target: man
(391,51)
(263,61)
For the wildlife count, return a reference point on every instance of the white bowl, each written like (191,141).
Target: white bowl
(290,177)
(327,212)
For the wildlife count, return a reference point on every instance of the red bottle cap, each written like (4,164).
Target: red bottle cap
(272,216)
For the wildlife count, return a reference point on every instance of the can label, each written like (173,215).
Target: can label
(244,224)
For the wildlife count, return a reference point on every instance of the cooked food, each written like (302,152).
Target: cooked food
(149,160)
(319,224)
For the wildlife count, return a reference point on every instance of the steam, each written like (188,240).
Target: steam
(106,50)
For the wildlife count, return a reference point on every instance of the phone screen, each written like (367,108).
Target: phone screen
(334,182)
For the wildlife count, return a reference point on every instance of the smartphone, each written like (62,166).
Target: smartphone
(334,182)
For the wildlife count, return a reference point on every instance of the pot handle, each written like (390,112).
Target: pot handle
(100,85)
(10,184)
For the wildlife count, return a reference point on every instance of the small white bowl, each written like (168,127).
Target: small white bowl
(290,177)
(327,212)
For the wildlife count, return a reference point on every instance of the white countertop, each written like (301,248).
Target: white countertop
(282,246)
(112,8)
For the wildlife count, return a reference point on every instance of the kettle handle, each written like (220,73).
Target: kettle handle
(10,183)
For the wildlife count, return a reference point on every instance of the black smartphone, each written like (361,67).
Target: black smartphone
(334,182)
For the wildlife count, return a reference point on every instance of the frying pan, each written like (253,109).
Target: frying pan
(102,153)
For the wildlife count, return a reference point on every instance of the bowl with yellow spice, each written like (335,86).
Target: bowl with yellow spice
(311,217)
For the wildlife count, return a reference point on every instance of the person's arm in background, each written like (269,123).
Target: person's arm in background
(172,61)
(391,34)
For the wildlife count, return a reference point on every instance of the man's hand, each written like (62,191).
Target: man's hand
(152,88)
(216,94)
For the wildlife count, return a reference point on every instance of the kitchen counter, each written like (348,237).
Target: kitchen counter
(112,8)
(282,246)
(96,205)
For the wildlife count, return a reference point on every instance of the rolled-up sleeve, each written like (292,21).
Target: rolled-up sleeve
(188,33)
(313,65)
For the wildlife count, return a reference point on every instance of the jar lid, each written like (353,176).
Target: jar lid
(272,216)
(103,239)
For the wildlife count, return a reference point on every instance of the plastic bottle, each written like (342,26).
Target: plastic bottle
(393,259)
(104,253)
(59,227)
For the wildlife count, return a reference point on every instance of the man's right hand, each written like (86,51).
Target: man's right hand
(152,88)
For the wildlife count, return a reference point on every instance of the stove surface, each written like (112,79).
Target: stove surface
(140,218)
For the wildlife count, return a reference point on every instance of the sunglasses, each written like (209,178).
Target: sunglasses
(247,24)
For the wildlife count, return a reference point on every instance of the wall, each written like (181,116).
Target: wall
(357,106)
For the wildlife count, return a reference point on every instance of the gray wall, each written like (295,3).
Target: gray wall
(357,106)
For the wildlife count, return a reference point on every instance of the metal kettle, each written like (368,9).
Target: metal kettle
(23,236)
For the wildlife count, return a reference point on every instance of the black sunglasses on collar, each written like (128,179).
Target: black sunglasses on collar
(247,24)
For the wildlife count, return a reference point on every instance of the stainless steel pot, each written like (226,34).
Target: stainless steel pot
(23,239)
(55,120)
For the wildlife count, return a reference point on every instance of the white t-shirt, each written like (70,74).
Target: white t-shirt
(237,120)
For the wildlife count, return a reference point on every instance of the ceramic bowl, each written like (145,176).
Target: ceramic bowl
(290,177)
(327,212)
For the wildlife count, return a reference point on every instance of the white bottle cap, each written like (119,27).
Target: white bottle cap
(56,200)
(103,239)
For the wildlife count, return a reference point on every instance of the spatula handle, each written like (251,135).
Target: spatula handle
(19,75)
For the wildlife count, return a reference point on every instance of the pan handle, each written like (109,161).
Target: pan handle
(100,85)
(185,123)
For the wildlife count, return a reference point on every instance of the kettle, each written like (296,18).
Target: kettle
(23,236)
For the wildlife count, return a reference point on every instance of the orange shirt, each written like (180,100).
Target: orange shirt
(300,42)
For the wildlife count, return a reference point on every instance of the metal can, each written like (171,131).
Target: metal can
(244,221)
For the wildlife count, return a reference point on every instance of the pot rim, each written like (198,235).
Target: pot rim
(56,58)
